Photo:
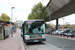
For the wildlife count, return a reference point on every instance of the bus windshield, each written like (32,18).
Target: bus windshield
(36,27)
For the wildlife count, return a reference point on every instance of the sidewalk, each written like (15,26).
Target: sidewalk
(12,43)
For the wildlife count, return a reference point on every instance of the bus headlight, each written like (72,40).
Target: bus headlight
(27,37)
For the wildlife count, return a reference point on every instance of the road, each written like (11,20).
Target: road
(52,43)
(64,44)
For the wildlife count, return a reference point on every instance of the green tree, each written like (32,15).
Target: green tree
(4,17)
(0,18)
(38,12)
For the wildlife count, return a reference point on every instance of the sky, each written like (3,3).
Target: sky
(22,8)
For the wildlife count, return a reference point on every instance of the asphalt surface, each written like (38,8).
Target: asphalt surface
(64,44)
(52,43)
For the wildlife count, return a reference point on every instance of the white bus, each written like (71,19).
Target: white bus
(33,31)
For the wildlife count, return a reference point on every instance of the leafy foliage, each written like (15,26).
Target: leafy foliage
(4,17)
(38,12)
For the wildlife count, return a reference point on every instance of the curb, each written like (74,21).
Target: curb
(23,47)
(69,38)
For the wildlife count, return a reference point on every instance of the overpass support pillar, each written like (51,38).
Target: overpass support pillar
(57,24)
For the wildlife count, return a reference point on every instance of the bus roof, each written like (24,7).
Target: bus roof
(33,20)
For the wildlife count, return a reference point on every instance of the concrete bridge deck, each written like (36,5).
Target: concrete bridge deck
(60,8)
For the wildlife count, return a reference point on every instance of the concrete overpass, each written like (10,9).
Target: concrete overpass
(59,8)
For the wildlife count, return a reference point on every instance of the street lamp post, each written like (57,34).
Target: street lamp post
(11,21)
(12,14)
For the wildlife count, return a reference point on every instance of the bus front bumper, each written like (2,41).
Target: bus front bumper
(35,40)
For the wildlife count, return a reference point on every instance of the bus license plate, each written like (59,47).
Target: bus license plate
(36,40)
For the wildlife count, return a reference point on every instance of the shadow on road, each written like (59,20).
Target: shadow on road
(35,43)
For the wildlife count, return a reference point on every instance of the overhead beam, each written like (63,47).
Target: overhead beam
(60,8)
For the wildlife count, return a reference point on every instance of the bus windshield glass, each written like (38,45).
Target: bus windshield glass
(35,27)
